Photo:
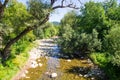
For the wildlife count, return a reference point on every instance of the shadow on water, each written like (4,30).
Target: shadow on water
(78,70)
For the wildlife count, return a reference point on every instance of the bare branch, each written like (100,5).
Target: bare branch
(52,2)
(80,2)
(70,5)
(2,6)
(62,2)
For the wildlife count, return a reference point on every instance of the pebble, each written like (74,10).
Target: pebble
(80,75)
(68,60)
(53,75)
(47,73)
(85,75)
(39,60)
(92,78)
(26,71)
(40,64)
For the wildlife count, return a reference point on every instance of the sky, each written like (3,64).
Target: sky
(58,14)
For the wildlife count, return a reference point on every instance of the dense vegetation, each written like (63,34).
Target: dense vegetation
(15,19)
(95,33)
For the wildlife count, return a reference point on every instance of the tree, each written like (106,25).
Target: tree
(2,7)
(34,9)
(93,17)
(112,45)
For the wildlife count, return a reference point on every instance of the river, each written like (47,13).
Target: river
(50,64)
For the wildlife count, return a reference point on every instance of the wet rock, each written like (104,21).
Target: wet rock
(34,64)
(68,60)
(80,75)
(89,61)
(86,75)
(40,64)
(53,75)
(26,71)
(47,73)
(92,78)
(39,60)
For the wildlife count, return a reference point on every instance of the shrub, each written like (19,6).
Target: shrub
(74,42)
(112,45)
(99,58)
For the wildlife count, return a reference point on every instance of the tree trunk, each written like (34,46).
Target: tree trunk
(6,51)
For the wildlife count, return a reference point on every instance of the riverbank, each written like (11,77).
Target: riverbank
(13,65)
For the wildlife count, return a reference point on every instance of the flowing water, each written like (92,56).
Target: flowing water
(64,68)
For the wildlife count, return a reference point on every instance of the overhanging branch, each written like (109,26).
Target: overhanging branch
(62,5)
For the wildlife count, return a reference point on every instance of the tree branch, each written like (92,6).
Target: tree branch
(2,6)
(5,54)
(5,3)
(71,5)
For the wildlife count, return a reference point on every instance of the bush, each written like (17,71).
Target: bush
(74,42)
(99,58)
(112,45)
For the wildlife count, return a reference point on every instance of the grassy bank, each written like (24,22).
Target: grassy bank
(14,63)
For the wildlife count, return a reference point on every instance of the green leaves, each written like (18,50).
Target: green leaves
(38,9)
(112,45)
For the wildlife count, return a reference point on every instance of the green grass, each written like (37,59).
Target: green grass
(13,64)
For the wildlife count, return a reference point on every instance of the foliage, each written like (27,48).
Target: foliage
(73,42)
(112,45)
(13,22)
(38,9)
(100,58)
(13,64)
(46,31)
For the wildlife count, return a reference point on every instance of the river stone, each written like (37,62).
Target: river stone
(39,60)
(86,76)
(40,64)
(53,75)
(26,71)
(68,60)
(92,78)
(34,64)
(80,75)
